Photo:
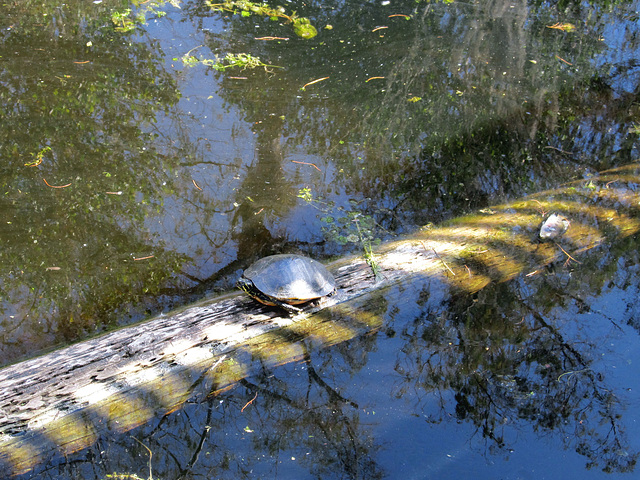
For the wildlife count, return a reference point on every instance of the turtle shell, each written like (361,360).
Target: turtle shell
(290,278)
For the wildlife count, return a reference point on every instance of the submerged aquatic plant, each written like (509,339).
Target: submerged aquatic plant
(301,25)
(303,28)
(38,157)
(231,60)
(240,60)
(346,226)
(128,19)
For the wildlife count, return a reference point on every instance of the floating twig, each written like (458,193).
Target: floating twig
(373,78)
(563,60)
(194,48)
(439,258)
(400,15)
(249,402)
(150,456)
(56,186)
(82,63)
(561,151)
(113,193)
(378,28)
(143,258)
(307,163)
(271,38)
(565,252)
(543,212)
(566,27)
(312,82)
(196,185)
(571,373)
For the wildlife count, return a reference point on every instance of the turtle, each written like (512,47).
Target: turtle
(286,280)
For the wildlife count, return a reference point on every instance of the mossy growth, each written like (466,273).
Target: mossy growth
(301,25)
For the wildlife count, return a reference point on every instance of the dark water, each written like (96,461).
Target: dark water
(176,177)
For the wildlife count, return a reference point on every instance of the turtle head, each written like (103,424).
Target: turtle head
(245,285)
(248,287)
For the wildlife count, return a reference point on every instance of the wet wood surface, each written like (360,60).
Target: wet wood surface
(60,402)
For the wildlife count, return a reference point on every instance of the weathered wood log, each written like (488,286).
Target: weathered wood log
(60,402)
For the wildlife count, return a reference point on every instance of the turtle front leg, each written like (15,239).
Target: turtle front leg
(285,306)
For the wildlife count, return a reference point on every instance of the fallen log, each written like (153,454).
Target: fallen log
(60,402)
